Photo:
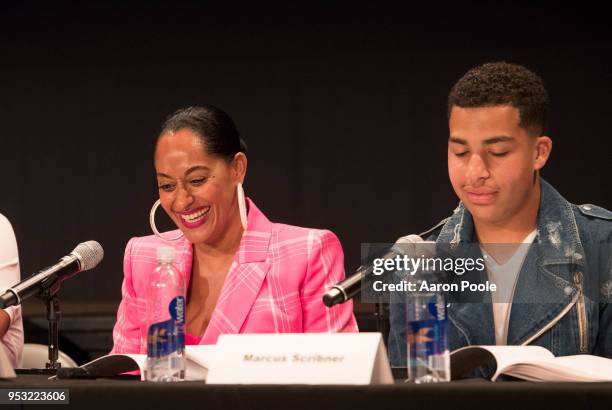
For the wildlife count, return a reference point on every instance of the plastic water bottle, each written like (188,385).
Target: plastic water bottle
(165,321)
(427,337)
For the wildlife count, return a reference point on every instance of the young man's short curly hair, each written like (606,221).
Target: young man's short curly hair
(502,83)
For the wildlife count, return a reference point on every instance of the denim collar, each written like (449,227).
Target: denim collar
(557,229)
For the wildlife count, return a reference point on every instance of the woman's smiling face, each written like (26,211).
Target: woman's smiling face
(197,190)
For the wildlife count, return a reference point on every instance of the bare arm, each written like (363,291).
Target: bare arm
(5,322)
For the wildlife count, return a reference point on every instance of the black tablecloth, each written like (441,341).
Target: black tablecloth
(116,394)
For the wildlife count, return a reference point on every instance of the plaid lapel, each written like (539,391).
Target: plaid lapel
(244,279)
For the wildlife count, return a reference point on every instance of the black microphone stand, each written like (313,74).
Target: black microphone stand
(53,316)
(49,296)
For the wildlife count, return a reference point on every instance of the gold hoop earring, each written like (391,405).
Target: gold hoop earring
(154,228)
(242,206)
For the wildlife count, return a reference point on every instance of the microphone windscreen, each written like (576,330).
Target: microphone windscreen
(90,253)
(409,239)
(414,245)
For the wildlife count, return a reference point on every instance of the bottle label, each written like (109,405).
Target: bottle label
(177,310)
(164,338)
(428,335)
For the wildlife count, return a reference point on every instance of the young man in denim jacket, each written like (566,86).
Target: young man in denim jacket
(561,289)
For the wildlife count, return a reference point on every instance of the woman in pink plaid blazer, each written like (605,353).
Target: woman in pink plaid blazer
(244,274)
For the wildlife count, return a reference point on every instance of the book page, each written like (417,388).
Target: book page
(565,368)
(203,355)
(115,364)
(507,356)
(199,359)
(471,357)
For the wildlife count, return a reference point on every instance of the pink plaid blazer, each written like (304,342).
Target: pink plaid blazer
(274,285)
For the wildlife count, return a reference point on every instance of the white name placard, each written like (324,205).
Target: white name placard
(304,358)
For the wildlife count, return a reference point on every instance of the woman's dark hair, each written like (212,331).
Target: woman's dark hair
(213,126)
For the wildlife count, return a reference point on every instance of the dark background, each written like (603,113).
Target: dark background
(343,108)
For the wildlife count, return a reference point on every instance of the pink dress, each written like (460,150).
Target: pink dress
(191,339)
(275,284)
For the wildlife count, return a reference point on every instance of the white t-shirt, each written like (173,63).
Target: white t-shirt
(12,341)
(505,276)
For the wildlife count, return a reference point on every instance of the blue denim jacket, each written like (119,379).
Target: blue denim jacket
(573,278)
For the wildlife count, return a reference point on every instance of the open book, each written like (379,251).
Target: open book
(532,363)
(198,360)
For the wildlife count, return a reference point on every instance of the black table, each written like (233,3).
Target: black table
(115,394)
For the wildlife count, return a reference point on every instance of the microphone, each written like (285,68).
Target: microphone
(85,256)
(349,287)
